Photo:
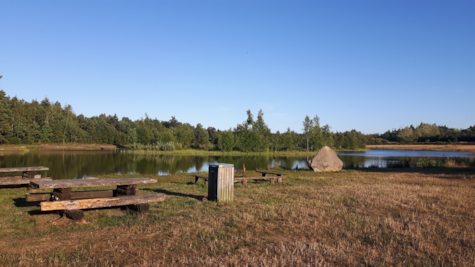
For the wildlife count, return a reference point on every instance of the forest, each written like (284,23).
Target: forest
(34,122)
(424,133)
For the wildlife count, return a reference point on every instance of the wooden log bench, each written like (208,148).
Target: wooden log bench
(243,180)
(279,175)
(198,177)
(28,174)
(271,178)
(71,203)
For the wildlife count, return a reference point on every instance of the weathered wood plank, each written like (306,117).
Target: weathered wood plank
(11,177)
(31,197)
(101,202)
(226,184)
(90,183)
(92,194)
(23,181)
(24,169)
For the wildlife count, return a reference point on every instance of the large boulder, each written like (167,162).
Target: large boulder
(326,160)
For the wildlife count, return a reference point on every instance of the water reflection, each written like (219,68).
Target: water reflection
(80,164)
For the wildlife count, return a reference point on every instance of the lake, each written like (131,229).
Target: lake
(80,164)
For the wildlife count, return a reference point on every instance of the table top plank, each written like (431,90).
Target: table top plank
(90,183)
(23,181)
(24,169)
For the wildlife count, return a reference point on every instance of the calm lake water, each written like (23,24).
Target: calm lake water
(80,164)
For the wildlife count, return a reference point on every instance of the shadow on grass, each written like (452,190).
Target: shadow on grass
(10,186)
(21,202)
(170,193)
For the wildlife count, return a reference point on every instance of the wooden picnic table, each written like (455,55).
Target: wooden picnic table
(277,176)
(62,198)
(28,175)
(198,177)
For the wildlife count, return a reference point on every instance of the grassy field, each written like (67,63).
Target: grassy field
(466,148)
(411,217)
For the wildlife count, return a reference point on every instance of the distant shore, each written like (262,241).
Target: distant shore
(77,146)
(72,147)
(26,148)
(425,147)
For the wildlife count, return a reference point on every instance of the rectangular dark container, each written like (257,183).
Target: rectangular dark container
(221,182)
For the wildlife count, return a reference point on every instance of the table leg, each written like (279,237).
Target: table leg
(28,175)
(138,208)
(126,190)
(62,194)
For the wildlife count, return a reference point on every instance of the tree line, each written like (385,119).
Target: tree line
(424,133)
(23,122)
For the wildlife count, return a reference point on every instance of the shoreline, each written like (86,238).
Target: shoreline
(425,147)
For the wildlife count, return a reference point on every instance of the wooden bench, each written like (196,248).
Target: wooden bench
(73,202)
(271,178)
(198,177)
(279,175)
(25,179)
(243,180)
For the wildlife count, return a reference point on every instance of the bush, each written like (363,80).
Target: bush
(14,141)
(432,162)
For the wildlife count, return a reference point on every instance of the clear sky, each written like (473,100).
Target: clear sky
(364,65)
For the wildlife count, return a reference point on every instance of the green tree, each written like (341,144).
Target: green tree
(226,141)
(201,137)
(5,116)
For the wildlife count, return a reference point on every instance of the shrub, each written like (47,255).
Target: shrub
(14,141)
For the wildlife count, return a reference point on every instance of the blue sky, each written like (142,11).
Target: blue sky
(364,65)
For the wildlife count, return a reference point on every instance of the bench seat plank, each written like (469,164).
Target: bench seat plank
(24,169)
(101,202)
(55,184)
(32,197)
(23,181)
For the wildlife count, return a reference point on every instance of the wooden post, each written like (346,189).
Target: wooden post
(74,214)
(243,170)
(244,182)
(138,208)
(62,193)
(126,190)
(221,182)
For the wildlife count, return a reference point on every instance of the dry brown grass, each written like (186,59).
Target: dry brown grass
(466,148)
(315,219)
